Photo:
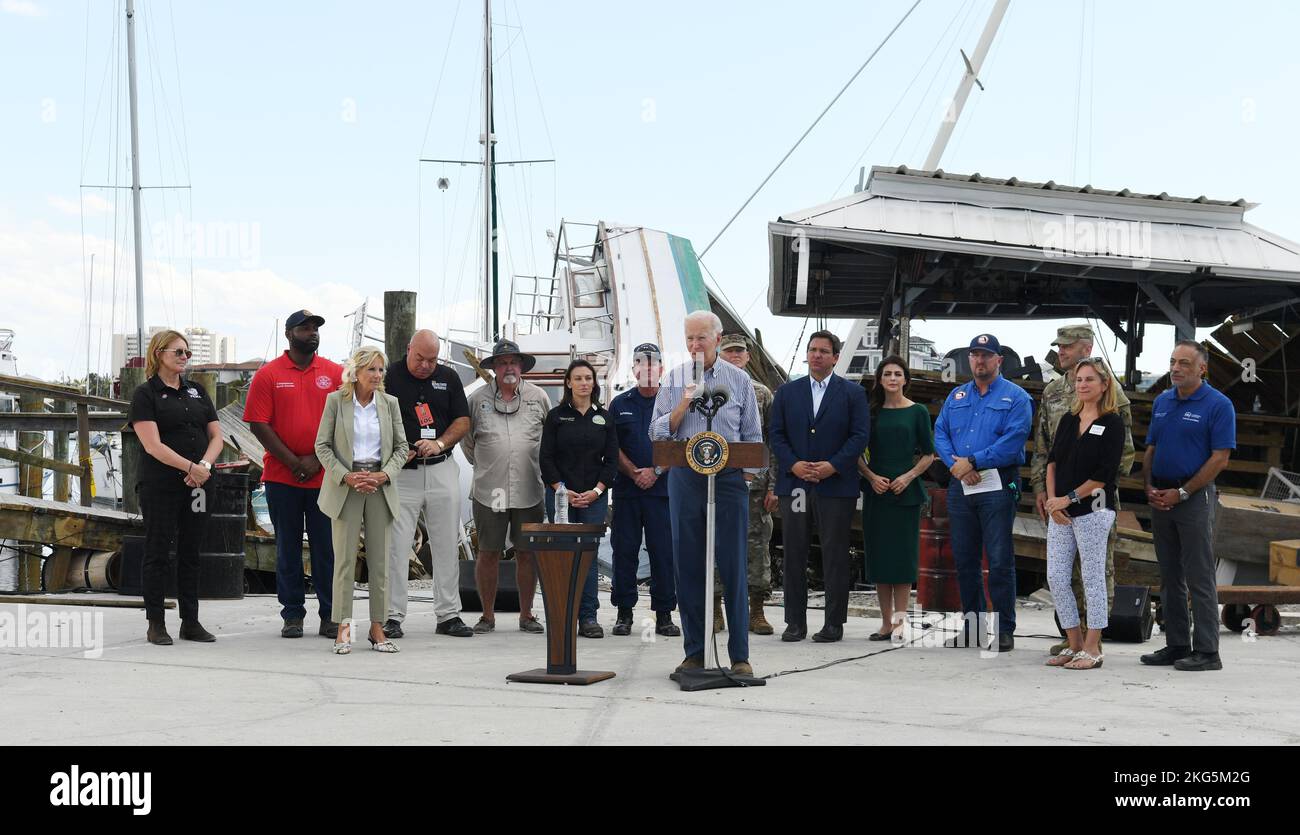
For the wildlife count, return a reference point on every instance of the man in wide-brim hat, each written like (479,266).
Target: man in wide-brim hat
(503,445)
(506,348)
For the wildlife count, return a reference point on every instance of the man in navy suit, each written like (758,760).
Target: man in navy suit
(820,425)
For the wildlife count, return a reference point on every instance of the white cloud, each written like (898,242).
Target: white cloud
(23,8)
(43,281)
(93,204)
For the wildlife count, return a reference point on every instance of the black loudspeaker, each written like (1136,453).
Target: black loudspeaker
(507,587)
(1131,616)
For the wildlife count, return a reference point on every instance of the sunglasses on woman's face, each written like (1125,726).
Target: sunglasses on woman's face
(179,353)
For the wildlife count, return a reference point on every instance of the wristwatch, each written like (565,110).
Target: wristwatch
(1074,497)
(598,489)
(206,464)
(659,471)
(441,446)
(1183,495)
(973,465)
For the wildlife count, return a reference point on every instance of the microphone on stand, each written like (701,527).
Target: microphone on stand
(709,401)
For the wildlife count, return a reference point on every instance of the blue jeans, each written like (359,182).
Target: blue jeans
(982,524)
(633,516)
(688,495)
(592,515)
(291,509)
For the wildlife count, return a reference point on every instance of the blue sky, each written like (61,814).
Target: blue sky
(302,123)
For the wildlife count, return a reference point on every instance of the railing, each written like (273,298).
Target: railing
(33,418)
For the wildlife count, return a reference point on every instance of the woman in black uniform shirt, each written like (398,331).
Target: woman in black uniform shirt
(177,426)
(580,450)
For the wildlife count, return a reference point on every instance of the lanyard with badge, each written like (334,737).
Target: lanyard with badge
(424,415)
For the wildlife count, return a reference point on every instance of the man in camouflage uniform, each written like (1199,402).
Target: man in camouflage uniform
(1074,343)
(735,350)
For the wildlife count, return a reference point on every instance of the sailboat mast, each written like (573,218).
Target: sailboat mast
(968,80)
(490,324)
(135,178)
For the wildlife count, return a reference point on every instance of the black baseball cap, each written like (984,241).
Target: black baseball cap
(299,317)
(646,349)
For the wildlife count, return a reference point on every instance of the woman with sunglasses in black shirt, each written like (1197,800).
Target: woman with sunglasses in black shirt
(177,426)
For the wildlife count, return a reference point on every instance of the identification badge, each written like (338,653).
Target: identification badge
(1096,430)
(424,414)
(428,433)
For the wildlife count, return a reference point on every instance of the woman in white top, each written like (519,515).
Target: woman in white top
(361,446)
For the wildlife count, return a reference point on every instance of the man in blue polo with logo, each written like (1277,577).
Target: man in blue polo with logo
(980,436)
(641,501)
(1193,432)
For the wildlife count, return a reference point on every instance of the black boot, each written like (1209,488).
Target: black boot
(664,625)
(623,625)
(158,633)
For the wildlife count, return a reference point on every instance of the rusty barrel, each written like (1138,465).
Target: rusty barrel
(937,589)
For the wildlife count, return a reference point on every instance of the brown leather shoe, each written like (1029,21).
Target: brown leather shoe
(719,622)
(742,668)
(192,630)
(757,622)
(694,662)
(158,633)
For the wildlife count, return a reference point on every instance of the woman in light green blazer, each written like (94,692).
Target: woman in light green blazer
(361,446)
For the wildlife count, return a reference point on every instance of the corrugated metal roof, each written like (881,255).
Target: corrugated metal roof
(1051,185)
(1033,221)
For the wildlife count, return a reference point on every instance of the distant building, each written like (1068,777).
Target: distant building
(862,355)
(208,347)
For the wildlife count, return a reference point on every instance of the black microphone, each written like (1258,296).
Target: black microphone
(709,400)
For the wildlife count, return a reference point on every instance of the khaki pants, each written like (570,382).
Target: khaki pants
(435,490)
(372,509)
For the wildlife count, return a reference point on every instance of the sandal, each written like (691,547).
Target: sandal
(382,646)
(1065,656)
(1093,661)
(344,647)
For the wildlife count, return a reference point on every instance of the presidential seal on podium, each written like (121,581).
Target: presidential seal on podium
(707,453)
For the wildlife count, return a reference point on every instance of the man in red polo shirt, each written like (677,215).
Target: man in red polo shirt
(284,407)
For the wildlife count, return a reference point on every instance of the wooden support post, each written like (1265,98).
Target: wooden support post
(207,379)
(131,449)
(31,480)
(62,485)
(31,476)
(83,453)
(399,322)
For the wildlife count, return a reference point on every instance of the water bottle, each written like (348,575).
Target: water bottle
(562,505)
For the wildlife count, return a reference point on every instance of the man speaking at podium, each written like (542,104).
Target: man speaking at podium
(688,491)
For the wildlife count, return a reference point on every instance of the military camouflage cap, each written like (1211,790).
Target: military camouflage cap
(1071,334)
(734,340)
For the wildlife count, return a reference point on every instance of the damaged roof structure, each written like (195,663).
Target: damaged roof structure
(928,243)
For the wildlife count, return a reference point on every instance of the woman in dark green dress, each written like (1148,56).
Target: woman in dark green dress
(900,450)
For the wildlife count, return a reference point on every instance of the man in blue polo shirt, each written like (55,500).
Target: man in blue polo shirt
(641,501)
(980,435)
(1193,432)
